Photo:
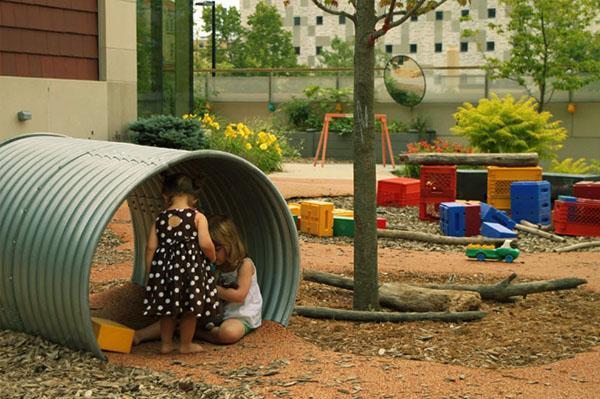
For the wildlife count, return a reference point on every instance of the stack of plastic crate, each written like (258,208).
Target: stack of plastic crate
(577,218)
(530,200)
(500,179)
(398,192)
(587,189)
(438,184)
(460,219)
(317,218)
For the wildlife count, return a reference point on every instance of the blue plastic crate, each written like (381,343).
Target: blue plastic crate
(493,215)
(530,190)
(533,215)
(453,219)
(496,230)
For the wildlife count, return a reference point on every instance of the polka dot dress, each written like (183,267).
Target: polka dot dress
(180,278)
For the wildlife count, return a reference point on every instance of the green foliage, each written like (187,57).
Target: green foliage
(229,37)
(341,54)
(578,167)
(308,113)
(168,131)
(506,125)
(404,97)
(553,46)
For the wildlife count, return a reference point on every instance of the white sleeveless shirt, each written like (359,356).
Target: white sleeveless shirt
(250,311)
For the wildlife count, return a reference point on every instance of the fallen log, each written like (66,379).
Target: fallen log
(574,247)
(366,316)
(405,297)
(499,159)
(538,232)
(436,239)
(536,226)
(503,290)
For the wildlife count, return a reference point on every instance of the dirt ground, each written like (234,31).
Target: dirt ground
(278,362)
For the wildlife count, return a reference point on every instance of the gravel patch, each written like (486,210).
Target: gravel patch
(407,218)
(106,252)
(31,367)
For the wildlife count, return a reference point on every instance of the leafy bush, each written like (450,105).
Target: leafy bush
(578,167)
(438,145)
(506,125)
(168,131)
(263,149)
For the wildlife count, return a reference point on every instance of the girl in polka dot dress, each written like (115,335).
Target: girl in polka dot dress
(179,251)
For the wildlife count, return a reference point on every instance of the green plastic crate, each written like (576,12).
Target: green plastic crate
(343,226)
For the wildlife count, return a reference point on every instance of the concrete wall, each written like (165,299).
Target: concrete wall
(81,108)
(583,126)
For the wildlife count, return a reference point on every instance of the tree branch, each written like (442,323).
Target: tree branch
(334,12)
(388,24)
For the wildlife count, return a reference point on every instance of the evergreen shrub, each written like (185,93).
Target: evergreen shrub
(168,131)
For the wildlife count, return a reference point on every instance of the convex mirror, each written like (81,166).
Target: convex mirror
(404,80)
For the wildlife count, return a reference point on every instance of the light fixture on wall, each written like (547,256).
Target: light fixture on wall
(23,116)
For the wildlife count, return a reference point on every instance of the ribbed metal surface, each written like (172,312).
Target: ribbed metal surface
(57,194)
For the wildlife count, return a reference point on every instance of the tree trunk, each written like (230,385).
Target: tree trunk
(355,315)
(365,240)
(405,297)
(500,159)
(436,238)
(503,291)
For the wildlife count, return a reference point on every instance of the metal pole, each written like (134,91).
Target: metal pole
(214,42)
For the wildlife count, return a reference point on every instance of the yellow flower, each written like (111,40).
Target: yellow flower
(278,149)
(263,146)
(248,146)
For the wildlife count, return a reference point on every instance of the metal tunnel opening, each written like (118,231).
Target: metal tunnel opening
(73,187)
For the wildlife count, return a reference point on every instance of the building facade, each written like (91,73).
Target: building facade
(67,67)
(433,39)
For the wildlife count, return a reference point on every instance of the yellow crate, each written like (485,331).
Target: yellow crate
(343,212)
(112,336)
(500,179)
(294,208)
(317,218)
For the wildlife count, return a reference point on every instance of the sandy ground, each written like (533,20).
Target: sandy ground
(305,371)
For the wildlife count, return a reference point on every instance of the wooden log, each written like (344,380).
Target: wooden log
(396,317)
(503,290)
(538,232)
(405,297)
(574,247)
(499,159)
(436,239)
(543,227)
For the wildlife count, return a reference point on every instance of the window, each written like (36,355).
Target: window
(413,48)
(389,48)
(438,47)
(296,21)
(319,20)
(414,17)
(439,15)
(464,13)
(491,13)
(342,19)
(319,49)
(490,46)
(464,47)
(297,50)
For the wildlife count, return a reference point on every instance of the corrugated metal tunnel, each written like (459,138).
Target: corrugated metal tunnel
(57,195)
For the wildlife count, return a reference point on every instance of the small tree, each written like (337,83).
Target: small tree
(368,27)
(552,46)
(229,34)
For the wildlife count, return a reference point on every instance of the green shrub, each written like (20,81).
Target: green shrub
(506,125)
(578,167)
(168,131)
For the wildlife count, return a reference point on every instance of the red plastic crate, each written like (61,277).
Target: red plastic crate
(438,182)
(430,210)
(381,223)
(473,219)
(581,218)
(399,191)
(587,189)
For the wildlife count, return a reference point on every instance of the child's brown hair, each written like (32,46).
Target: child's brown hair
(224,233)
(180,184)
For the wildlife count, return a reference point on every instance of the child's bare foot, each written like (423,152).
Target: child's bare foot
(166,348)
(190,348)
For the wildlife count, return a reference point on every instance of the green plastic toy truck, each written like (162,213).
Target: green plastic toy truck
(504,253)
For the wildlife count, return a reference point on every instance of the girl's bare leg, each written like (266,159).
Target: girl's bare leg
(229,332)
(187,327)
(149,333)
(167,329)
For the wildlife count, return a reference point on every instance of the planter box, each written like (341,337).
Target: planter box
(472,184)
(340,147)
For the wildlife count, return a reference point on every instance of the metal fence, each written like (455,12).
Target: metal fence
(444,85)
